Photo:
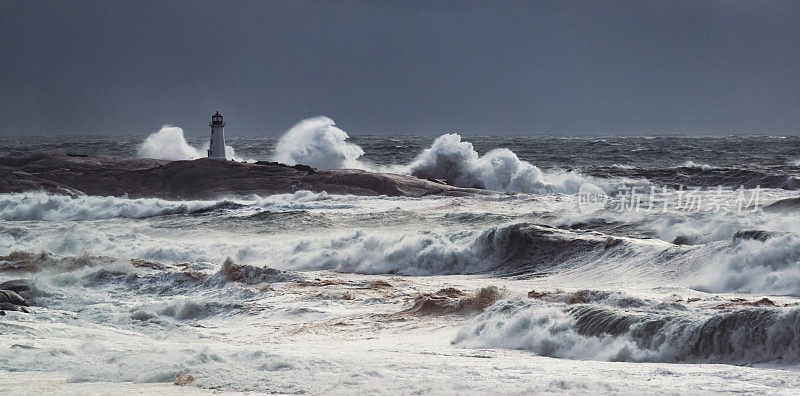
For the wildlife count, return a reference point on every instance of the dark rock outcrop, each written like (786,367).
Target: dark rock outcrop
(784,205)
(757,235)
(198,179)
(11,301)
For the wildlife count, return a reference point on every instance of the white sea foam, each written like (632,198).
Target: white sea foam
(752,266)
(43,206)
(599,332)
(545,331)
(54,207)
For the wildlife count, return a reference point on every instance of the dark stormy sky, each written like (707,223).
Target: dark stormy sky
(555,67)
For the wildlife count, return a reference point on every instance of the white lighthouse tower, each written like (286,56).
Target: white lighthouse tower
(216,150)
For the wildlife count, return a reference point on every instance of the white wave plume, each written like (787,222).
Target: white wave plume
(170,144)
(752,266)
(319,143)
(500,169)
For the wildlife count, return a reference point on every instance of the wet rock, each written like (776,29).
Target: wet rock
(452,301)
(784,205)
(4,306)
(182,380)
(792,183)
(248,274)
(758,235)
(198,179)
(11,301)
(137,262)
(11,297)
(682,240)
(20,286)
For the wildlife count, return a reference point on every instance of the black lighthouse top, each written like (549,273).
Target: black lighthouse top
(216,119)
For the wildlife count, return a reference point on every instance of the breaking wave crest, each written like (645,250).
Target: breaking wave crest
(43,206)
(768,265)
(410,254)
(456,161)
(515,249)
(763,265)
(590,331)
(54,207)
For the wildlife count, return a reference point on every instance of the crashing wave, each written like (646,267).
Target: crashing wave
(500,169)
(169,144)
(317,142)
(763,263)
(596,332)
(515,249)
(51,207)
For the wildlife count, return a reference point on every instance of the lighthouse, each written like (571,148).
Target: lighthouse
(216,150)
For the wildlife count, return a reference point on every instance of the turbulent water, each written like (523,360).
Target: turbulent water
(685,278)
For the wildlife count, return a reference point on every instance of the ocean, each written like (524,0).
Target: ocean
(597,264)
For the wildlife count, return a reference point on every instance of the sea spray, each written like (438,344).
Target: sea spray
(771,266)
(169,144)
(319,143)
(661,333)
(456,161)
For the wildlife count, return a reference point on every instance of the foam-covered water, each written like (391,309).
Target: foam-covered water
(320,293)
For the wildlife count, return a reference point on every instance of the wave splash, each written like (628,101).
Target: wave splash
(319,143)
(755,266)
(170,144)
(500,169)
(596,332)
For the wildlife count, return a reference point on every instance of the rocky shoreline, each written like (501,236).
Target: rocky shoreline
(198,179)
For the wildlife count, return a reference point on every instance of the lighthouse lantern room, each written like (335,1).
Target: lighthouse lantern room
(216,150)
